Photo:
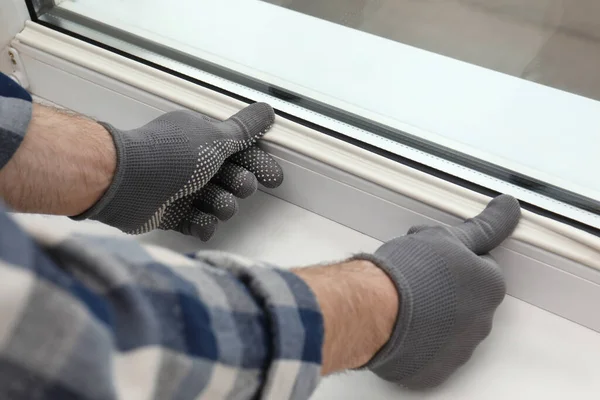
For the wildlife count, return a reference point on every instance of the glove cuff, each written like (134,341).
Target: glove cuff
(427,311)
(405,311)
(116,181)
(149,171)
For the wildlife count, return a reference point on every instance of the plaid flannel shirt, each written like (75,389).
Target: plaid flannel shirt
(93,317)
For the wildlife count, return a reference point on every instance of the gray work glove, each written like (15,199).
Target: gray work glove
(449,289)
(183,170)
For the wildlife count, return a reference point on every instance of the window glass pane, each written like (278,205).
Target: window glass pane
(502,93)
(552,42)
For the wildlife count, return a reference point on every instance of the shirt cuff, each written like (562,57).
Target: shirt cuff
(15,114)
(295,323)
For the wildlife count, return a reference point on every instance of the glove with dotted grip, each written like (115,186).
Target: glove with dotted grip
(449,288)
(183,171)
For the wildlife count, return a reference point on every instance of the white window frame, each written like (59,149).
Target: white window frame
(435,110)
(549,264)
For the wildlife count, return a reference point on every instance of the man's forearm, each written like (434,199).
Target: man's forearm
(64,165)
(250,329)
(182,171)
(105,317)
(359,304)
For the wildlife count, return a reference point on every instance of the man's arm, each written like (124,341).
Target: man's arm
(412,312)
(91,317)
(183,171)
(359,304)
(63,166)
(148,322)
(144,320)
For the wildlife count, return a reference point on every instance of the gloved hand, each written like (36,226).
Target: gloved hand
(449,289)
(183,170)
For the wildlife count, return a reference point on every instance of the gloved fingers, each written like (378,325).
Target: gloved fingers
(215,200)
(417,229)
(236,180)
(494,274)
(485,328)
(250,124)
(198,224)
(209,118)
(261,164)
(490,261)
(439,373)
(490,228)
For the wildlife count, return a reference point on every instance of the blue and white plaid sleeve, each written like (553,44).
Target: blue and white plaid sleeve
(15,113)
(90,317)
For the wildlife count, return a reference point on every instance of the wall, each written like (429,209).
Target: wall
(13,14)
